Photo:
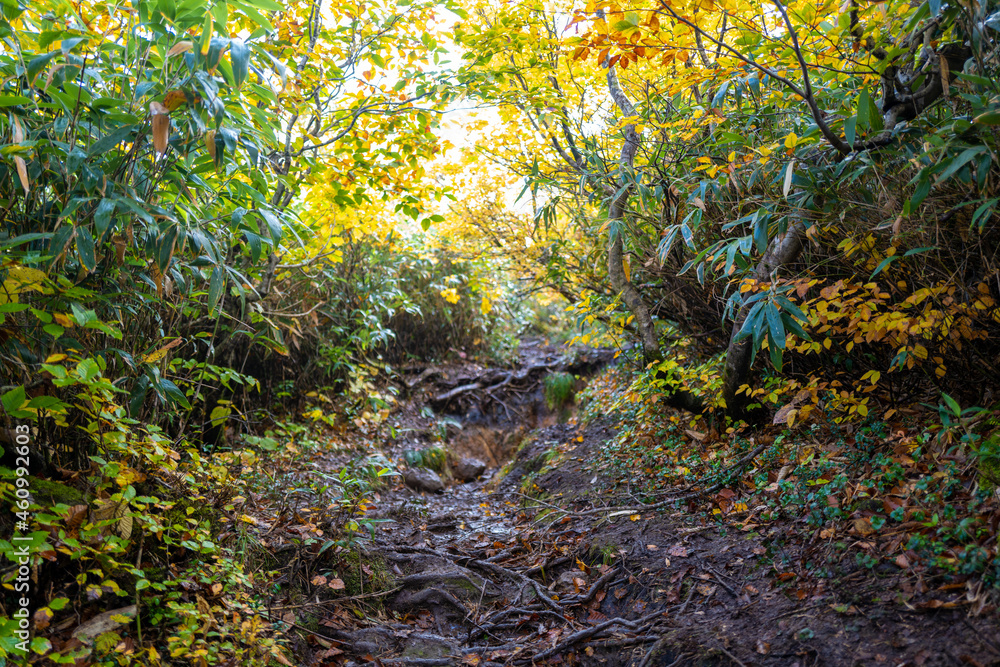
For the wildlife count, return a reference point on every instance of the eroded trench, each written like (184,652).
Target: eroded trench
(459,570)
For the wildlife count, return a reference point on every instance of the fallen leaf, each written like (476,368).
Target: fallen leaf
(678,551)
(336,584)
(666,561)
(763,647)
(652,547)
(42,617)
(318,580)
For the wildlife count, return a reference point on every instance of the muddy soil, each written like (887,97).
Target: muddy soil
(533,564)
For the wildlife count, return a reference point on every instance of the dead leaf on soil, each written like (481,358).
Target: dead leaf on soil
(763,647)
(706,589)
(336,584)
(864,526)
(42,618)
(678,551)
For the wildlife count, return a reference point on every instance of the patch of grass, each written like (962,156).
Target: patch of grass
(433,458)
(560,389)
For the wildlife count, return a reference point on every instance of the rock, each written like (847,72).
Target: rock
(426,646)
(468,469)
(422,479)
(572,581)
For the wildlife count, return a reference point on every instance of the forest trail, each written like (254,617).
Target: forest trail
(543,561)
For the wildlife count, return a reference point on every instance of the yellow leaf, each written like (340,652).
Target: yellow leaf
(153,357)
(64,321)
(180,47)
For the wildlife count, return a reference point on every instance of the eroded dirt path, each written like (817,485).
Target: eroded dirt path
(492,573)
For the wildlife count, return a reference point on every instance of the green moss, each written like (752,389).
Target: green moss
(47,492)
(364,573)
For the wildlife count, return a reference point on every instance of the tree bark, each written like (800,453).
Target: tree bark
(616,215)
(780,251)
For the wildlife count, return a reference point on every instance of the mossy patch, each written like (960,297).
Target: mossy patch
(364,573)
(47,492)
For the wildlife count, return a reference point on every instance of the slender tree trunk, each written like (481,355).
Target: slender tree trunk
(616,215)
(780,251)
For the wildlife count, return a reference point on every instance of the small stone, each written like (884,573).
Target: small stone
(467,469)
(422,479)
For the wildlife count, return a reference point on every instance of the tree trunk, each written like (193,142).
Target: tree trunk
(616,215)
(780,251)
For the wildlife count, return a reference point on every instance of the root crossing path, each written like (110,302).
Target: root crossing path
(534,564)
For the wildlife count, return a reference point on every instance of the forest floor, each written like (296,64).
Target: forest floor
(544,560)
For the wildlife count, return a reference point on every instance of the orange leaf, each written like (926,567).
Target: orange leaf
(22,173)
(161,126)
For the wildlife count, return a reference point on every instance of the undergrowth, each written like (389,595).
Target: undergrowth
(910,491)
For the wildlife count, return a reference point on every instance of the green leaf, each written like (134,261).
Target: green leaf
(102,218)
(988,118)
(108,142)
(83,316)
(215,287)
(13,399)
(953,405)
(776,357)
(240,56)
(957,163)
(174,394)
(864,110)
(36,64)
(775,326)
(70,44)
(983,214)
(266,5)
(882,265)
(85,247)
(850,129)
(138,396)
(13,100)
